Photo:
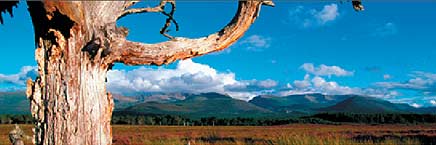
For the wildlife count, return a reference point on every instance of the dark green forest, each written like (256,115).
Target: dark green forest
(321,118)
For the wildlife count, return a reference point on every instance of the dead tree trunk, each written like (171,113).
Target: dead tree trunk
(78,41)
(69,98)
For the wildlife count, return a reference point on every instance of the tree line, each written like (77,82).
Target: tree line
(377,118)
(207,121)
(16,119)
(321,118)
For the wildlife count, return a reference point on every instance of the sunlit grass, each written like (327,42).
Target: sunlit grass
(296,134)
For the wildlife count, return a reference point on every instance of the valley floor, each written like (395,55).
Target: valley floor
(298,134)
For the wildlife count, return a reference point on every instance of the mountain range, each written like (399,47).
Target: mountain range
(201,105)
(219,105)
(304,103)
(14,103)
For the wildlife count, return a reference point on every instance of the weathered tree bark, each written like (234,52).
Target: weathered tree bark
(69,99)
(78,41)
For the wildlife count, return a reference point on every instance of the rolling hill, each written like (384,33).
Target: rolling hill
(361,104)
(426,110)
(201,105)
(218,105)
(122,102)
(14,103)
(302,103)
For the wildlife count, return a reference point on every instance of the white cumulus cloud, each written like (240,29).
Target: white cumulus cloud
(329,13)
(420,81)
(319,84)
(331,87)
(324,70)
(187,77)
(256,42)
(307,18)
(267,83)
(314,82)
(303,84)
(21,77)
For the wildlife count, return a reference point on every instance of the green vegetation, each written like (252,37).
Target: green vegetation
(203,105)
(303,103)
(360,104)
(16,118)
(295,134)
(222,106)
(376,118)
(322,118)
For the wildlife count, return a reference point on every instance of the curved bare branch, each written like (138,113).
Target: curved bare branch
(159,8)
(135,53)
(170,19)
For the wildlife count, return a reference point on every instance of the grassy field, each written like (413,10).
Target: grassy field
(298,134)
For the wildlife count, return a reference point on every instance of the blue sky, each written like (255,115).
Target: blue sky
(386,51)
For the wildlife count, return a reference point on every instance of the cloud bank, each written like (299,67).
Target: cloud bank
(315,82)
(423,82)
(192,77)
(20,78)
(324,70)
(187,77)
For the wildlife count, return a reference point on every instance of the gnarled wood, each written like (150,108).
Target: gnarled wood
(77,42)
(134,53)
(158,8)
(68,99)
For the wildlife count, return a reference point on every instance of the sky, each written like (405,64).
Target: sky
(386,51)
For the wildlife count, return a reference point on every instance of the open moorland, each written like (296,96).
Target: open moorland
(298,134)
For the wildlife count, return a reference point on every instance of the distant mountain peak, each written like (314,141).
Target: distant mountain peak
(366,104)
